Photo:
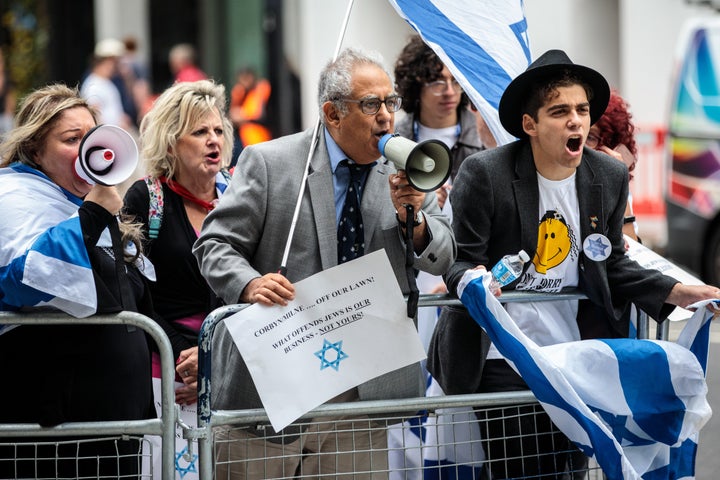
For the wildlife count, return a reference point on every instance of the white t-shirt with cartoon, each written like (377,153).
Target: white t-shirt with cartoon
(554,267)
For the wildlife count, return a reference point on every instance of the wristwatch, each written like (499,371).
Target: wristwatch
(419,218)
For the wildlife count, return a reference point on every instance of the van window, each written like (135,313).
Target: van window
(693,192)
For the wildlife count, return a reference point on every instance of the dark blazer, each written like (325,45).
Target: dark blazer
(495,201)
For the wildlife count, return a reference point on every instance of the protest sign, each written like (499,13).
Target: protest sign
(649,259)
(347,325)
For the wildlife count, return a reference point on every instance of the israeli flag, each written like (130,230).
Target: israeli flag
(43,259)
(483,43)
(600,393)
(444,446)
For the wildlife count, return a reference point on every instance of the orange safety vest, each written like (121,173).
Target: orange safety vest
(252,106)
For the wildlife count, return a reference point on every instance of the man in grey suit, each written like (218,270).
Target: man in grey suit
(242,242)
(564,205)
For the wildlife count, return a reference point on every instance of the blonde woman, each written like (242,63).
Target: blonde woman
(187,142)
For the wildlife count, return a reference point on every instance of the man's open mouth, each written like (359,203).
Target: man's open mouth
(573,144)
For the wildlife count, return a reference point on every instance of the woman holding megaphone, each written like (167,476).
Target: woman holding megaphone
(63,248)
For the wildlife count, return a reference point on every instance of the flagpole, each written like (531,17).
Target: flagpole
(313,146)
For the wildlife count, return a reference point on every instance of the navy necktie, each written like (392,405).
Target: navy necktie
(350,236)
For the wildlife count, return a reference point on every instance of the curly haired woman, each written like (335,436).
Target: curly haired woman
(614,134)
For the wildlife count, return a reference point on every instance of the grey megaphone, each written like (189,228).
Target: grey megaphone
(108,156)
(427,164)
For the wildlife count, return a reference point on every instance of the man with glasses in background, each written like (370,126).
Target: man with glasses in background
(242,243)
(436,106)
(436,109)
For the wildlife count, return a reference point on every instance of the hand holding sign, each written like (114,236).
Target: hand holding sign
(346,325)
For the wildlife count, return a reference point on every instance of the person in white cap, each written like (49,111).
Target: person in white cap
(98,88)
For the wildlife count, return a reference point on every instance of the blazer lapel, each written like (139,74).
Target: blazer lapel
(593,275)
(375,196)
(590,201)
(322,200)
(527,197)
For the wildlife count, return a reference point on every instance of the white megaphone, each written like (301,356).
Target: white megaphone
(427,164)
(108,156)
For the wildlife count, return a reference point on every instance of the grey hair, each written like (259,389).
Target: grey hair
(336,78)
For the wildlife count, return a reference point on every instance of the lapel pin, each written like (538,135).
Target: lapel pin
(594,221)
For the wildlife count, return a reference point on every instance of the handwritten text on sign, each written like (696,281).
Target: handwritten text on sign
(347,325)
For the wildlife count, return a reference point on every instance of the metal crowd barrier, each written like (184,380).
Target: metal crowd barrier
(136,429)
(449,420)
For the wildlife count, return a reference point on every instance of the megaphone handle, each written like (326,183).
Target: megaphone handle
(414,294)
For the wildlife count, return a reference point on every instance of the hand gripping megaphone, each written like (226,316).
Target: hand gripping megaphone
(427,164)
(108,156)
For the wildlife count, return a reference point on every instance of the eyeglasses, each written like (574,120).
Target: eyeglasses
(438,87)
(371,106)
(592,141)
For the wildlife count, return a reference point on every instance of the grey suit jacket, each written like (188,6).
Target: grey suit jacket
(495,201)
(244,238)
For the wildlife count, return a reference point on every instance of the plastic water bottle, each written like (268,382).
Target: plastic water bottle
(508,269)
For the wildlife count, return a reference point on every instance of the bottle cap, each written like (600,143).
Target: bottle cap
(523,256)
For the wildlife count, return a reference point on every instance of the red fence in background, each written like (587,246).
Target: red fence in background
(648,185)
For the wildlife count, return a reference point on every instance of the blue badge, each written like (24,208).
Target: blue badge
(597,247)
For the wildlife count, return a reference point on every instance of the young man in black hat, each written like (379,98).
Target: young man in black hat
(564,205)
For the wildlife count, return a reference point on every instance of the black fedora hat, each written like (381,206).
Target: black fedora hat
(550,64)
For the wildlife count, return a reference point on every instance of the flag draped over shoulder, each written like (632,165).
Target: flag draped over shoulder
(43,259)
(636,406)
(483,43)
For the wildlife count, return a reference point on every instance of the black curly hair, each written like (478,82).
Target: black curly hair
(416,65)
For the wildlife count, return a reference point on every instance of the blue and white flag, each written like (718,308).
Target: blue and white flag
(636,425)
(444,446)
(43,259)
(483,43)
